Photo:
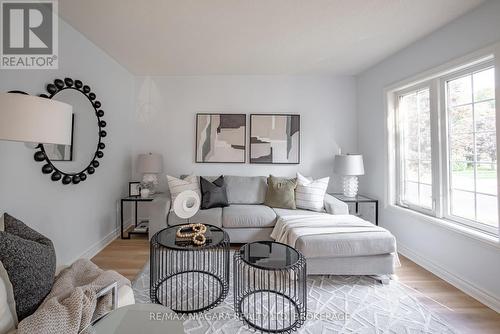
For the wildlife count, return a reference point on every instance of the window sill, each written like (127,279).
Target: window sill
(455,227)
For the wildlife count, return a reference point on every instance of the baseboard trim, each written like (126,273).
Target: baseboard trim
(101,244)
(458,282)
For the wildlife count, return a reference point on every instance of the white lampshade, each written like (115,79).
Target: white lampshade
(150,163)
(349,164)
(34,119)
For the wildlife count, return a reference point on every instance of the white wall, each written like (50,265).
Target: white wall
(74,217)
(166,109)
(468,263)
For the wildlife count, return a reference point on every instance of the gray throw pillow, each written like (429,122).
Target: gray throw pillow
(280,192)
(30,261)
(213,194)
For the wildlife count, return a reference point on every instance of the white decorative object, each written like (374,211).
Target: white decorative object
(150,165)
(186,204)
(33,119)
(310,194)
(350,166)
(145,192)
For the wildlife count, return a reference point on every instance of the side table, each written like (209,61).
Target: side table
(189,278)
(135,200)
(270,286)
(357,200)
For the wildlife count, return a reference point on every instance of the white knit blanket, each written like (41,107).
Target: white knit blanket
(71,305)
(290,228)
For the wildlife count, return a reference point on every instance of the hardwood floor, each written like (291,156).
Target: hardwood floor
(464,313)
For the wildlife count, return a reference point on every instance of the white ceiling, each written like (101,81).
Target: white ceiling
(203,37)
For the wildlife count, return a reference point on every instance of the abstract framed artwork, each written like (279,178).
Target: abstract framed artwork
(221,138)
(274,139)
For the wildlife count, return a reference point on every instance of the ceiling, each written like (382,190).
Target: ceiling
(254,37)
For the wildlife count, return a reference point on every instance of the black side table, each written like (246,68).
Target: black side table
(188,278)
(270,286)
(135,199)
(358,199)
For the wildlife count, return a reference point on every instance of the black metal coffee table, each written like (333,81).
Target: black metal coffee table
(270,292)
(189,278)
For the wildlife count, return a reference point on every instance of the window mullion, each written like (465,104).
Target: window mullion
(436,165)
(474,144)
(418,149)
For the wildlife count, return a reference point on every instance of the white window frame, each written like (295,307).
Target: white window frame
(399,145)
(446,171)
(439,138)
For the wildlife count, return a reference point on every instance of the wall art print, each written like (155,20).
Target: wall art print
(274,139)
(221,138)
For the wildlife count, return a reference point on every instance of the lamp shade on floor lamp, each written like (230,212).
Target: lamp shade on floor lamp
(33,119)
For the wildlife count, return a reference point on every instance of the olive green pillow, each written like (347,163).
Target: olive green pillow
(280,192)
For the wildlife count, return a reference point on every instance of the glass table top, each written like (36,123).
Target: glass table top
(167,238)
(269,255)
(357,198)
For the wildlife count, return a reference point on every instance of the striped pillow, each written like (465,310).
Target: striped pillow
(310,194)
(176,186)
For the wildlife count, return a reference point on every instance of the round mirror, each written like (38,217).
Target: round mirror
(72,163)
(85,135)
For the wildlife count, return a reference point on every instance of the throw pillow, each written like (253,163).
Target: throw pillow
(280,192)
(176,186)
(30,261)
(213,194)
(8,317)
(310,194)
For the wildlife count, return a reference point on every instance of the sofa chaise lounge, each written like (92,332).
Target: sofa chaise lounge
(247,219)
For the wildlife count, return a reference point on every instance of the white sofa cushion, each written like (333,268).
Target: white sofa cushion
(310,194)
(289,212)
(246,189)
(8,315)
(346,244)
(176,186)
(244,216)
(211,216)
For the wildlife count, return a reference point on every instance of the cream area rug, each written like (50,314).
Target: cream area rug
(336,304)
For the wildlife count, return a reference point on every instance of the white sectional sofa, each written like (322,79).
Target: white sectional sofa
(247,219)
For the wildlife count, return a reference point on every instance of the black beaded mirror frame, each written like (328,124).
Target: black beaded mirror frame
(40,156)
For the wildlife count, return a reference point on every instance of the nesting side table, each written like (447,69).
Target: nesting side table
(270,288)
(189,278)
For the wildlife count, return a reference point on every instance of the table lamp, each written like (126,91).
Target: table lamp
(349,166)
(150,165)
(33,119)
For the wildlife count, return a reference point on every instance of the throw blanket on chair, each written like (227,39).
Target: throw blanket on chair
(290,228)
(72,303)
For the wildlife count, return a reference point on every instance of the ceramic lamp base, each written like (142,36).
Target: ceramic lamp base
(350,186)
(152,181)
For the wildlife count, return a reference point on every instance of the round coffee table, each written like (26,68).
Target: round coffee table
(138,318)
(189,278)
(270,291)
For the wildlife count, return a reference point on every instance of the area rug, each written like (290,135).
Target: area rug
(336,304)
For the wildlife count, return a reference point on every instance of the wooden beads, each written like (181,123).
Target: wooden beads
(197,236)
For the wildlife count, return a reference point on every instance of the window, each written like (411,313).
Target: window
(472,150)
(446,152)
(415,139)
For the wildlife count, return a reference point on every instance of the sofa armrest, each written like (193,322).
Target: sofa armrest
(160,207)
(334,206)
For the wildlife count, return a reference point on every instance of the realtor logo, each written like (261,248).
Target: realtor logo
(29,35)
